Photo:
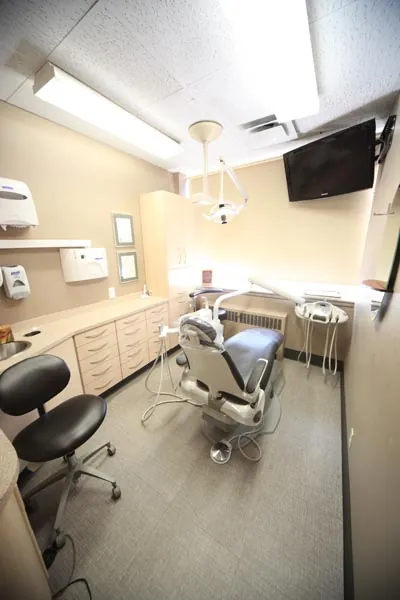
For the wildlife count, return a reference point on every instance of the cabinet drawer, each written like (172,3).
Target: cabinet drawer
(154,347)
(157,312)
(99,372)
(98,358)
(132,336)
(93,335)
(177,309)
(100,344)
(130,320)
(137,360)
(136,354)
(172,341)
(153,329)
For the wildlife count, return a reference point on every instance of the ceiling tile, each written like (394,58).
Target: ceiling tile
(318,9)
(107,55)
(233,94)
(357,52)
(191,38)
(29,30)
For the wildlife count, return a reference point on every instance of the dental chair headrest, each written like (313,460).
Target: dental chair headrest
(204,329)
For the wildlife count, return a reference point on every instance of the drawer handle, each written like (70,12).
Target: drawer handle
(98,348)
(102,387)
(101,372)
(96,335)
(134,353)
(136,366)
(132,345)
(134,320)
(182,301)
(132,332)
(158,311)
(96,362)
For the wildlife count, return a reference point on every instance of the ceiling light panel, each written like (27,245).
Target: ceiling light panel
(274,47)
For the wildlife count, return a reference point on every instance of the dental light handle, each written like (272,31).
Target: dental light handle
(276,289)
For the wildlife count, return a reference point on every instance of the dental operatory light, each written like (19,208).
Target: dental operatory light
(70,95)
(221,211)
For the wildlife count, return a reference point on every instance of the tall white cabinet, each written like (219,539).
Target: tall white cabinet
(168,229)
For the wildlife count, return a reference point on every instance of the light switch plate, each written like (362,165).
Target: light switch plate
(111,292)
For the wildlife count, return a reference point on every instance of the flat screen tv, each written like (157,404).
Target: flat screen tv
(337,164)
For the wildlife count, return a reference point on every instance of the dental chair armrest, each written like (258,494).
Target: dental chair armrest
(256,376)
(206,291)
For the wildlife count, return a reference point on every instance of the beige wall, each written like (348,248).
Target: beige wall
(76,184)
(372,383)
(389,240)
(319,240)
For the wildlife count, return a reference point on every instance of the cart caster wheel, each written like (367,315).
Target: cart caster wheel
(59,541)
(116,492)
(111,450)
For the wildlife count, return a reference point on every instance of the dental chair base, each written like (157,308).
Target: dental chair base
(234,381)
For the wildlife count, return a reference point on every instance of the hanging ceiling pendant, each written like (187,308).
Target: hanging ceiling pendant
(221,211)
(205,132)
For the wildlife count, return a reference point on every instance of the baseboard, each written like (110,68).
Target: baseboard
(347,539)
(316,360)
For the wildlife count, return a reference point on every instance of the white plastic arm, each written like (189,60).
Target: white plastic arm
(276,289)
(231,173)
(224,297)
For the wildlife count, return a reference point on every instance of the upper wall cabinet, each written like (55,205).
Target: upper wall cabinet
(168,229)
(179,224)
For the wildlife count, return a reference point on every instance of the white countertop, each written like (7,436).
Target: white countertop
(58,327)
(333,292)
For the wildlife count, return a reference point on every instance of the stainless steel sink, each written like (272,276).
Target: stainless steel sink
(12,348)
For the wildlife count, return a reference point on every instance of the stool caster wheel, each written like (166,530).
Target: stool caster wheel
(59,540)
(65,459)
(111,450)
(116,492)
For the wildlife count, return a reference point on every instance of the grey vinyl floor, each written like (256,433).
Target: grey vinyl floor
(186,528)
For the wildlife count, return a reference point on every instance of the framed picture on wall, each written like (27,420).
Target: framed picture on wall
(123,229)
(127,266)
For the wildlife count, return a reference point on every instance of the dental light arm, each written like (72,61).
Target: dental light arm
(231,173)
(266,285)
(276,289)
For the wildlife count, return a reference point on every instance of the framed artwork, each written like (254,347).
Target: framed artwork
(127,266)
(123,230)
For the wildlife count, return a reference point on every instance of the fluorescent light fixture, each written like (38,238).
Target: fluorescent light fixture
(67,93)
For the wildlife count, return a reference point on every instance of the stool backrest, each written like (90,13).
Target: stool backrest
(29,384)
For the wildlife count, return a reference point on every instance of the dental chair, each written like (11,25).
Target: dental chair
(234,380)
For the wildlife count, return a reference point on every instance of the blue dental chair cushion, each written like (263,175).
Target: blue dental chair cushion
(246,347)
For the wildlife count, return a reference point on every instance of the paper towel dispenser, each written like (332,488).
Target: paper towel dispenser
(17,208)
(83,264)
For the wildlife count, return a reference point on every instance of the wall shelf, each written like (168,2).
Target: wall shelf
(34,244)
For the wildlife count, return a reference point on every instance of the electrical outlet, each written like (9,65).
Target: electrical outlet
(111,292)
(351,437)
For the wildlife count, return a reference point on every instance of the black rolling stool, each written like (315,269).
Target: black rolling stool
(27,386)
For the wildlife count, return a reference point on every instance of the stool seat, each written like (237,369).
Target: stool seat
(61,430)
